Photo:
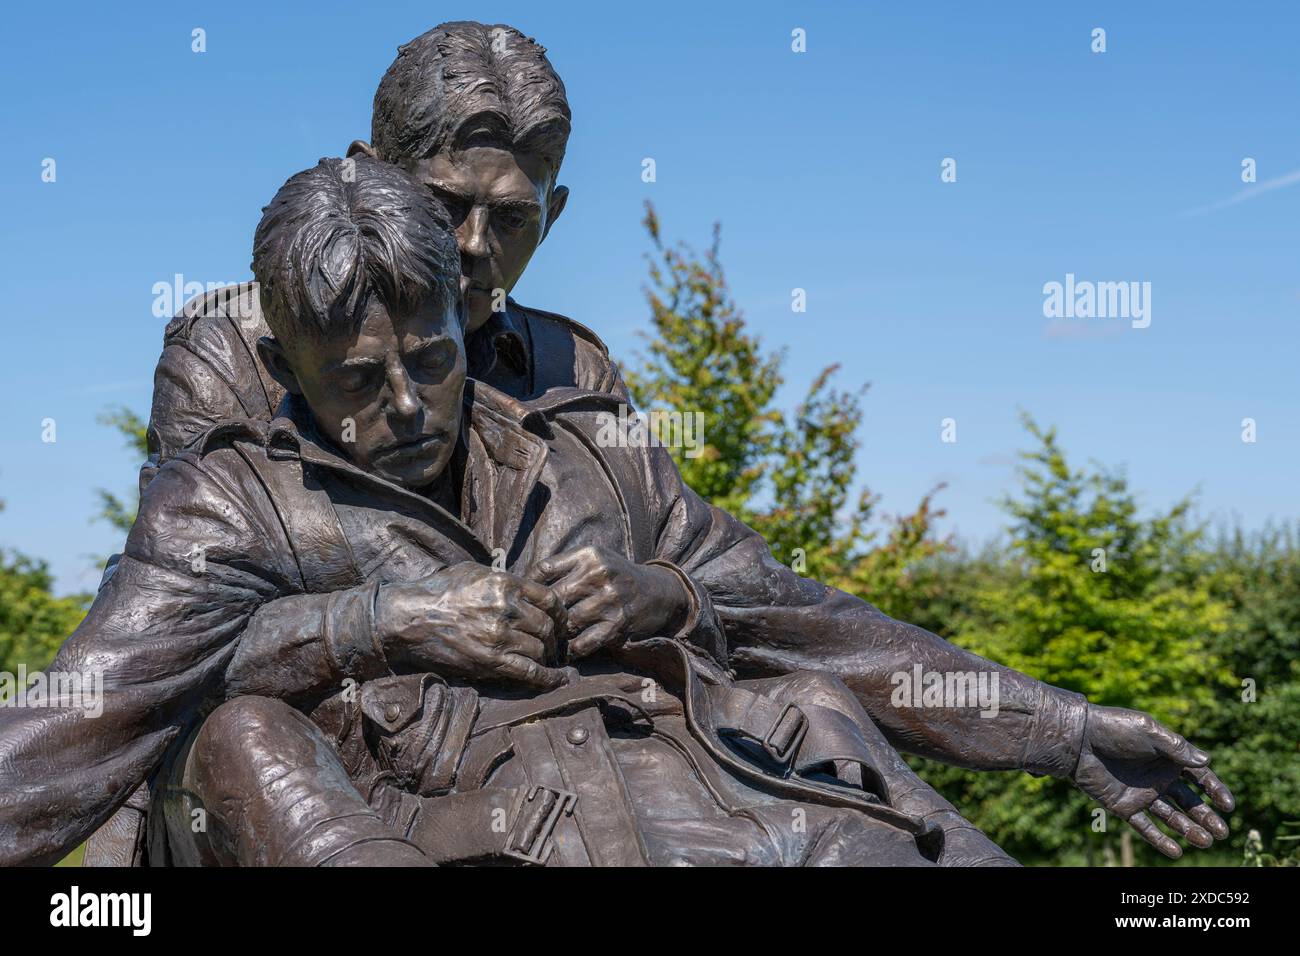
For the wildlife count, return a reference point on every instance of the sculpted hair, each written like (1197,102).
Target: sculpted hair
(469,84)
(342,231)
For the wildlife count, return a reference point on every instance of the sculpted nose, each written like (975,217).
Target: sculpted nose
(474,233)
(405,403)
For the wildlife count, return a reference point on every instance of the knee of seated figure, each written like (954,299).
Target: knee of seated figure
(274,792)
(247,742)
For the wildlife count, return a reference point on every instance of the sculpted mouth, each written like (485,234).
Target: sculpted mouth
(416,447)
(470,287)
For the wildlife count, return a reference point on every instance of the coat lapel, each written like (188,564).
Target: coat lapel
(501,459)
(506,452)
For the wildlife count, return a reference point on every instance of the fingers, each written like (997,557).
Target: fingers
(594,624)
(593,639)
(515,667)
(522,644)
(1176,747)
(532,622)
(592,610)
(1153,835)
(543,598)
(1181,824)
(577,574)
(1185,797)
(1196,822)
(552,569)
(1209,782)
(574,587)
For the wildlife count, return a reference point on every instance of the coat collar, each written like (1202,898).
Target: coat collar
(498,461)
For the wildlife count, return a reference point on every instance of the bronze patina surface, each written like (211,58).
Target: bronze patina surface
(394,597)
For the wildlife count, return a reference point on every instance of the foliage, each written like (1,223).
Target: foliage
(33,622)
(1086,592)
(788,476)
(1093,598)
(1256,725)
(116,511)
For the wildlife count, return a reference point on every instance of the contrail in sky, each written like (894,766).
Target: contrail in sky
(1290,179)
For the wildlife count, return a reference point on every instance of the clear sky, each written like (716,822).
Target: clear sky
(823,167)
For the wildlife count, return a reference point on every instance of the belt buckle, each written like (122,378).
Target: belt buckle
(536,815)
(782,748)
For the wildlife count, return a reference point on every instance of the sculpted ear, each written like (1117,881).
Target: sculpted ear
(272,355)
(559,196)
(360,147)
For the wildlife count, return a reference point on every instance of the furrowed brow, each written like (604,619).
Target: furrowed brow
(361,361)
(517,205)
(448,189)
(455,192)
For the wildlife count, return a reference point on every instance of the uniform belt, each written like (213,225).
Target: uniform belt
(574,807)
(493,824)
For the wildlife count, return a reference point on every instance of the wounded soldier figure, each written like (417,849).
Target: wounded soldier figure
(413,620)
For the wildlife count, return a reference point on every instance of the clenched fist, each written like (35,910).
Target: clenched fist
(471,622)
(610,599)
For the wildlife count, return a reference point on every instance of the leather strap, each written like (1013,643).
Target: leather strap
(796,738)
(494,824)
(587,763)
(679,668)
(532,748)
(572,754)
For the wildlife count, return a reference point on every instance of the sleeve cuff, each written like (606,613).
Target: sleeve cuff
(702,627)
(1056,737)
(351,639)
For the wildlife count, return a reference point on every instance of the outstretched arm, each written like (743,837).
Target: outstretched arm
(928,696)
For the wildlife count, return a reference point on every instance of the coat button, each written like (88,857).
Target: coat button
(577,736)
(393,712)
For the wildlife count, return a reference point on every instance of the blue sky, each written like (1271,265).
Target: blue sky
(823,167)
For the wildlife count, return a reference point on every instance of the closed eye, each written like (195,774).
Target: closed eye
(436,359)
(358,379)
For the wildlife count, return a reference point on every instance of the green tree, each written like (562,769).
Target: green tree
(1094,598)
(789,476)
(116,511)
(701,360)
(33,622)
(1254,728)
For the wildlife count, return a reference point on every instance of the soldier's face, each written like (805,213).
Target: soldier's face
(390,395)
(502,205)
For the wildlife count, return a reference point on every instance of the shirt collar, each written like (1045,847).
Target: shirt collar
(501,340)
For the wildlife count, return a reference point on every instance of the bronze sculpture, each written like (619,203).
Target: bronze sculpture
(742,610)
